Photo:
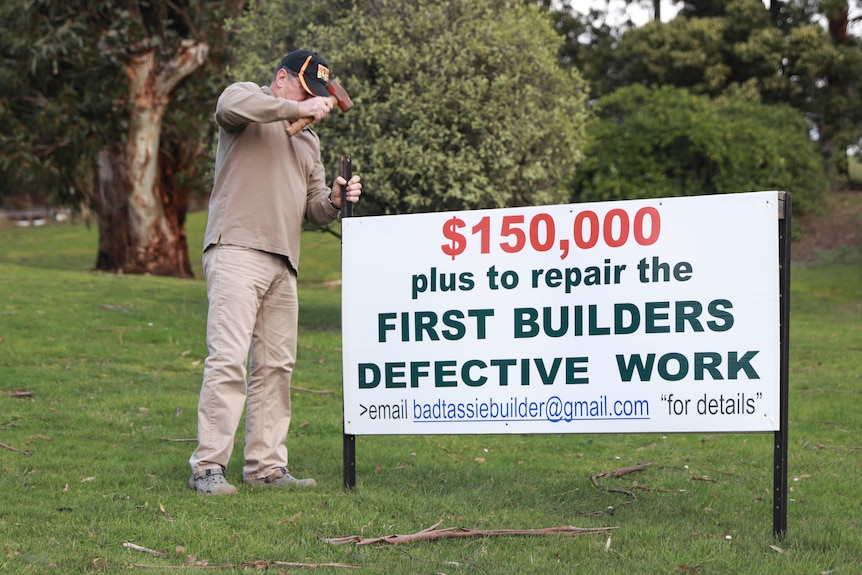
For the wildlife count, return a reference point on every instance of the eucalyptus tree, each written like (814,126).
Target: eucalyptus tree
(111,104)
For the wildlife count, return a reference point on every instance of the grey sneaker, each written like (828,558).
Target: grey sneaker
(280,478)
(211,482)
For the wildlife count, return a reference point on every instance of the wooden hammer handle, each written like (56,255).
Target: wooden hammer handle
(299,124)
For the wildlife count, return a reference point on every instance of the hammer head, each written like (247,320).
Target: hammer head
(340,94)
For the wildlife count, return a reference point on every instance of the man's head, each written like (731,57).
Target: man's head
(310,69)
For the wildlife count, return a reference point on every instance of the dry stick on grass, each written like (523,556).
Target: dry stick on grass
(433,534)
(255,564)
(703,478)
(203,564)
(128,545)
(619,472)
(9,447)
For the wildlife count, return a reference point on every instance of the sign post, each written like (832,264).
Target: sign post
(349,440)
(779,478)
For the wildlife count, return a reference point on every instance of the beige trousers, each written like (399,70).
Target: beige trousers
(252,320)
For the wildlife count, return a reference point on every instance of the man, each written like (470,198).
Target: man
(266,182)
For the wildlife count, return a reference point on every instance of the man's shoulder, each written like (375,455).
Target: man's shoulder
(246,87)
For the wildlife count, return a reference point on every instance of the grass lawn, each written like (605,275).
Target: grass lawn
(99,381)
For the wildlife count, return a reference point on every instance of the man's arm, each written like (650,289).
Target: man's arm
(319,211)
(246,102)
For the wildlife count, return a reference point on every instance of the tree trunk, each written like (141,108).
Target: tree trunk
(111,200)
(141,211)
(838,13)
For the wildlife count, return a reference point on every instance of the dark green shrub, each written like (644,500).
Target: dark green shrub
(660,142)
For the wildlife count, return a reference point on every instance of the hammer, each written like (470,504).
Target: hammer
(339,97)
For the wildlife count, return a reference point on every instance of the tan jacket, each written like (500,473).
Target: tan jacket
(266,182)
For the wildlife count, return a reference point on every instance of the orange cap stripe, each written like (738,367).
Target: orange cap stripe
(302,74)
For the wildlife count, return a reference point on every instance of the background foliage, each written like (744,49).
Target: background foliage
(655,142)
(800,55)
(56,104)
(459,104)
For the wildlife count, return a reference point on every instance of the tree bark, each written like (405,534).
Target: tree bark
(838,15)
(141,212)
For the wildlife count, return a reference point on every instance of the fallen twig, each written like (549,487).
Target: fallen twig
(9,447)
(703,478)
(619,472)
(128,545)
(255,564)
(432,534)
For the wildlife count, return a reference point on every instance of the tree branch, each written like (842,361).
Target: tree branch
(433,534)
(189,57)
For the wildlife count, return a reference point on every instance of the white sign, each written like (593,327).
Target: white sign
(616,317)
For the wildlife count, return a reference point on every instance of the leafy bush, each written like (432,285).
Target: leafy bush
(460,104)
(659,142)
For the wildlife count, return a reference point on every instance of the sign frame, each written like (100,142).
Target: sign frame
(780,451)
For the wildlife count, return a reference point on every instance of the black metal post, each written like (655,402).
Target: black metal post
(779,481)
(346,173)
(349,461)
(349,443)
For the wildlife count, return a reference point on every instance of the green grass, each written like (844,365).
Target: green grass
(98,453)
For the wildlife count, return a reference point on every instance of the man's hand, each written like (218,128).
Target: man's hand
(317,108)
(354,190)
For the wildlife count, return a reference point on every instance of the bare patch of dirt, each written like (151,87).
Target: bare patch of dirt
(837,226)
